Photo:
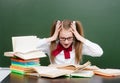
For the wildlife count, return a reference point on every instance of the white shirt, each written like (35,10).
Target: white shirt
(89,48)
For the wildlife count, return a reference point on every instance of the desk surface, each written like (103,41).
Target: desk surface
(16,78)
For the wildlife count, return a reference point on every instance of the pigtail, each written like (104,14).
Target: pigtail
(78,44)
(53,43)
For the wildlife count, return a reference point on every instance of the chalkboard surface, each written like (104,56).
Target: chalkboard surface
(100,19)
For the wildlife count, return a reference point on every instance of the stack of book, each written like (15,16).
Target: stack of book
(22,66)
(24,54)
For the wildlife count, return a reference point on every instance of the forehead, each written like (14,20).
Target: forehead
(65,33)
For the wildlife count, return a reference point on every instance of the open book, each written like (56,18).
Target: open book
(50,72)
(53,71)
(71,66)
(24,47)
(26,56)
(108,72)
(24,44)
(83,74)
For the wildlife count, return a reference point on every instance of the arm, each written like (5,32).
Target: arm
(92,49)
(55,35)
(89,48)
(44,44)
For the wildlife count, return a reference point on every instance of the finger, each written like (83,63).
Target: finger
(58,24)
(59,29)
(73,25)
(73,22)
(71,30)
(58,21)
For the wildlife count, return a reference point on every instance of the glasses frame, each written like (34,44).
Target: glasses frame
(64,39)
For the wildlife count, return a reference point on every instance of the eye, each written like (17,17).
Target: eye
(68,38)
(62,38)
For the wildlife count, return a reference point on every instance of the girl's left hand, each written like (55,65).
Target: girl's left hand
(75,32)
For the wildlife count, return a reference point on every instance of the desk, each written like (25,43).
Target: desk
(16,78)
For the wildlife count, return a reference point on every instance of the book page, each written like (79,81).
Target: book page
(24,43)
(71,66)
(4,72)
(92,67)
(30,55)
(9,54)
(51,72)
(26,56)
(108,72)
(64,66)
(83,73)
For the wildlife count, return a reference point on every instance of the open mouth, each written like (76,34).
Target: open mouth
(66,45)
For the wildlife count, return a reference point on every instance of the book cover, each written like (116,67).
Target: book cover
(22,60)
(25,63)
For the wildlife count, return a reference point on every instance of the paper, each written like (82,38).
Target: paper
(24,43)
(4,72)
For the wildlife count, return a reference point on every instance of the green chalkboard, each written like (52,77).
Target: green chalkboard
(100,19)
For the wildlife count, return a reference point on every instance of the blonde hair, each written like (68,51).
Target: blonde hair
(77,44)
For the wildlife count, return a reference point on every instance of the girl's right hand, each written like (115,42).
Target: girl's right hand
(57,29)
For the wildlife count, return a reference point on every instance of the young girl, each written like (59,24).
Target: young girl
(67,44)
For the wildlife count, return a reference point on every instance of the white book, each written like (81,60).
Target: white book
(50,72)
(24,43)
(26,56)
(4,72)
(24,47)
(83,73)
(109,72)
(74,67)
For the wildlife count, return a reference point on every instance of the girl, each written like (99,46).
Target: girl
(67,44)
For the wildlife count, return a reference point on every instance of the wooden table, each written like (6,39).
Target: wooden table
(16,78)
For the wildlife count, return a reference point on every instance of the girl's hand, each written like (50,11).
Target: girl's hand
(75,32)
(57,29)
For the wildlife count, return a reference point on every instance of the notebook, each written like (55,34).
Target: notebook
(4,72)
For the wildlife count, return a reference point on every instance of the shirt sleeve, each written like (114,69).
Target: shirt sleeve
(43,45)
(92,49)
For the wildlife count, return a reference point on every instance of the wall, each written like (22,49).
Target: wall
(100,19)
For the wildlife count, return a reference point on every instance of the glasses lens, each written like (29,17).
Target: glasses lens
(68,38)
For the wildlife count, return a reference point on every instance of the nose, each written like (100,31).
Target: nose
(66,41)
